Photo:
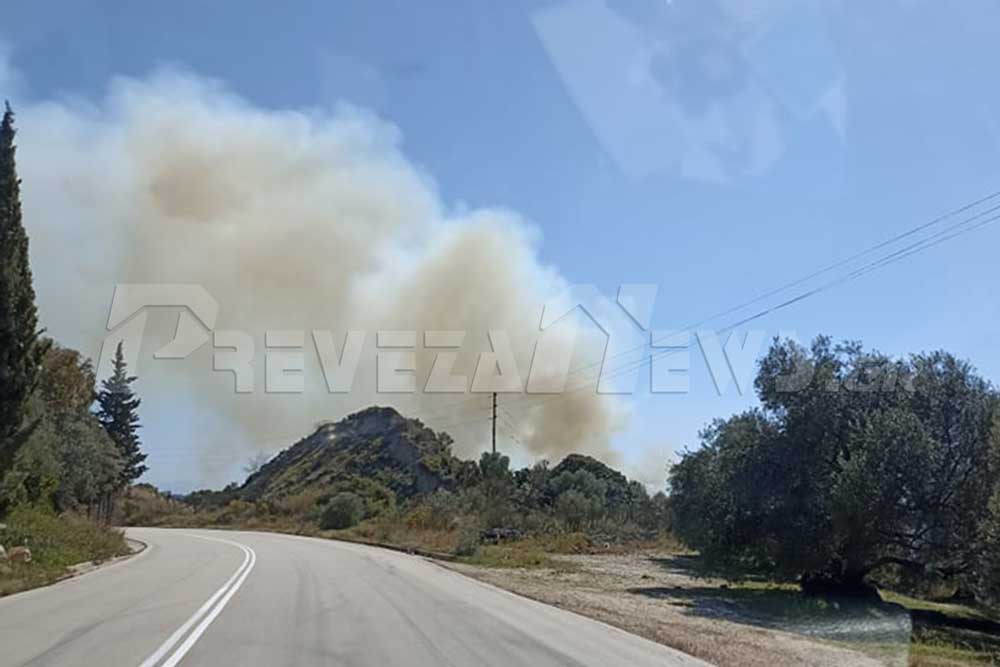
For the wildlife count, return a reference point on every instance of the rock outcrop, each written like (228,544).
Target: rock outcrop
(376,446)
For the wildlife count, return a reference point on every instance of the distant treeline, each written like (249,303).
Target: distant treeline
(580,494)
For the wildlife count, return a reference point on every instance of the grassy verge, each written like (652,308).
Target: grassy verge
(948,633)
(404,537)
(523,554)
(462,543)
(56,543)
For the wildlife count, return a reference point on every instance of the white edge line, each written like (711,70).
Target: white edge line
(164,648)
(193,637)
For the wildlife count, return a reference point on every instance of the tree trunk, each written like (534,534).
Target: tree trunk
(839,579)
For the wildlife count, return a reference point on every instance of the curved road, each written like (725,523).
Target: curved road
(201,597)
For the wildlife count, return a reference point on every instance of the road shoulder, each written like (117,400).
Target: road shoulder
(604,588)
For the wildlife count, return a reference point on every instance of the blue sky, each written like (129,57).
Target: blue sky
(715,148)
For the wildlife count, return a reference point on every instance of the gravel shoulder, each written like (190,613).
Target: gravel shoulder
(653,595)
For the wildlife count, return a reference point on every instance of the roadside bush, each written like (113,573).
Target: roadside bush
(60,541)
(343,510)
(144,505)
(235,512)
(303,504)
(467,542)
(420,517)
(521,554)
(539,522)
(989,584)
(577,508)
(437,511)
(56,542)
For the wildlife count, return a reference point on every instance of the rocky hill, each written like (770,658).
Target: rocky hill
(376,451)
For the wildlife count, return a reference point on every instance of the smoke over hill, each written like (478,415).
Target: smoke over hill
(290,220)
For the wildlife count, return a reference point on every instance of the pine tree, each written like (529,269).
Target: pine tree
(117,413)
(21,350)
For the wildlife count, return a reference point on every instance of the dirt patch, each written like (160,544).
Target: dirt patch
(657,596)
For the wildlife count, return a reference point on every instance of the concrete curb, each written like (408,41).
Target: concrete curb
(136,546)
(139,548)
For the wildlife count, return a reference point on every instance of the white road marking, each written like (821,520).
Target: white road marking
(212,608)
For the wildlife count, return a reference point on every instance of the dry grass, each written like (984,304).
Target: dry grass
(401,536)
(525,554)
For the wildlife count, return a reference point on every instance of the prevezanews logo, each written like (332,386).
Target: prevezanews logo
(631,349)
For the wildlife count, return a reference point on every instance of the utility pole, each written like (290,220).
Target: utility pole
(494,422)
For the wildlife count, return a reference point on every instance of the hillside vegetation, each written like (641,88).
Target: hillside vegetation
(375,452)
(379,476)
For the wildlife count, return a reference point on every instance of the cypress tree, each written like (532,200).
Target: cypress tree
(117,412)
(21,350)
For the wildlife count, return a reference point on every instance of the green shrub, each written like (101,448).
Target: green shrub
(61,540)
(436,511)
(343,510)
(302,504)
(56,542)
(577,507)
(144,505)
(236,512)
(523,554)
(467,542)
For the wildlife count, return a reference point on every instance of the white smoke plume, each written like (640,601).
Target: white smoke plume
(291,220)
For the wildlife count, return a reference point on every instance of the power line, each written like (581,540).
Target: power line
(784,287)
(951,232)
(887,260)
(858,255)
(481,419)
(815,274)
(941,236)
(446,409)
(515,432)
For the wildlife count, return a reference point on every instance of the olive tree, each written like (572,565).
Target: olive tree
(855,461)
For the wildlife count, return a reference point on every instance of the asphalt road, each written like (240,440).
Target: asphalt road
(199,597)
